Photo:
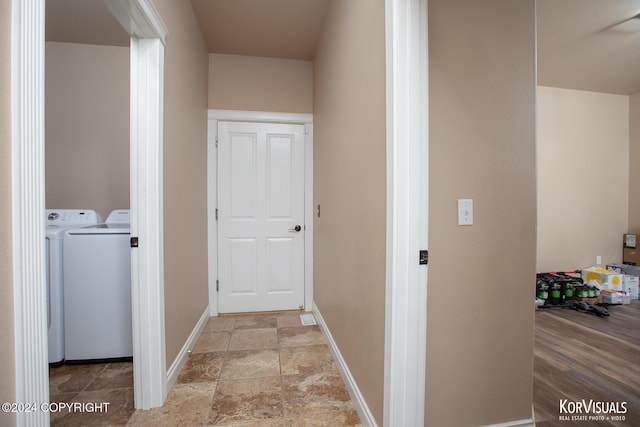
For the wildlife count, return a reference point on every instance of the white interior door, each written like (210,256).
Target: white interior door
(260,217)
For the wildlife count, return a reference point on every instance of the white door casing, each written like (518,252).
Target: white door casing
(260,216)
(212,187)
(28,194)
(407,211)
(27,203)
(141,21)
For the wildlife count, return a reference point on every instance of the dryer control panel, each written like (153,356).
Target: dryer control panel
(69,217)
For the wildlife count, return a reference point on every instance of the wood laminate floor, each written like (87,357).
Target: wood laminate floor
(581,357)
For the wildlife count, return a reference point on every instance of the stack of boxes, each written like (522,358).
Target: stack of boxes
(628,271)
(630,278)
(610,284)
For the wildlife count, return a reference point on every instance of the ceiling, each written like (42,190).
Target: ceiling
(578,44)
(272,28)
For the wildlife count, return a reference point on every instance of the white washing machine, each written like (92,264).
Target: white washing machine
(58,221)
(97,297)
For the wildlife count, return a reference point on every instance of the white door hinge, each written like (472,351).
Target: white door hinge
(217,285)
(216,214)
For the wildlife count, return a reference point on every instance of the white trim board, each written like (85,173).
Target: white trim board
(147,260)
(28,222)
(143,23)
(139,18)
(185,351)
(407,211)
(266,117)
(27,203)
(259,116)
(366,417)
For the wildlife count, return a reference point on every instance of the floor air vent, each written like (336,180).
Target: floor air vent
(308,319)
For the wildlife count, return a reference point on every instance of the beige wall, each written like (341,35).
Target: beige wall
(7,361)
(87,127)
(260,84)
(583,177)
(482,146)
(349,184)
(185,174)
(634,164)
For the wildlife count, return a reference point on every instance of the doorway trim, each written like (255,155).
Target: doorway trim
(212,191)
(28,204)
(407,211)
(143,23)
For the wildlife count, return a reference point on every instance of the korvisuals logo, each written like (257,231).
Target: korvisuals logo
(591,410)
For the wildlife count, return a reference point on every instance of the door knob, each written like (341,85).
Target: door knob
(295,229)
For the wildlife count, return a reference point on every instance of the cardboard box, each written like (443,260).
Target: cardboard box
(630,252)
(608,297)
(607,278)
(631,256)
(629,241)
(630,285)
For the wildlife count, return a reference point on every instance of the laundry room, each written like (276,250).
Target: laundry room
(87,127)
(87,184)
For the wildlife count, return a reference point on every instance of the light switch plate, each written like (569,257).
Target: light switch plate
(465,211)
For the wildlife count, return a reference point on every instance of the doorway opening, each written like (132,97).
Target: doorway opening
(304,173)
(28,195)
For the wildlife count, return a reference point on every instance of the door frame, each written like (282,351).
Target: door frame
(212,191)
(143,23)
(28,202)
(407,211)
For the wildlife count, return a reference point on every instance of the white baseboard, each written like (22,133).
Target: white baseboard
(366,417)
(181,359)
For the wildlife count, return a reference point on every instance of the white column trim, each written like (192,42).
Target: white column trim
(407,210)
(143,23)
(139,18)
(147,266)
(28,195)
(266,117)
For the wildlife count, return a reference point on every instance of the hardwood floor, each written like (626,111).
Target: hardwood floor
(581,356)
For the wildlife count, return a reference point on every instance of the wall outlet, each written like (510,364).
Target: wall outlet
(465,211)
(598,260)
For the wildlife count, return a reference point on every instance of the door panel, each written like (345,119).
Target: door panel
(243,176)
(243,267)
(279,177)
(280,259)
(260,203)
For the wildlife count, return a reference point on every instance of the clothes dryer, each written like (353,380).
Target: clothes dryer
(58,221)
(97,298)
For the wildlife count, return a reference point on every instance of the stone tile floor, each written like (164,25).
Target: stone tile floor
(245,370)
